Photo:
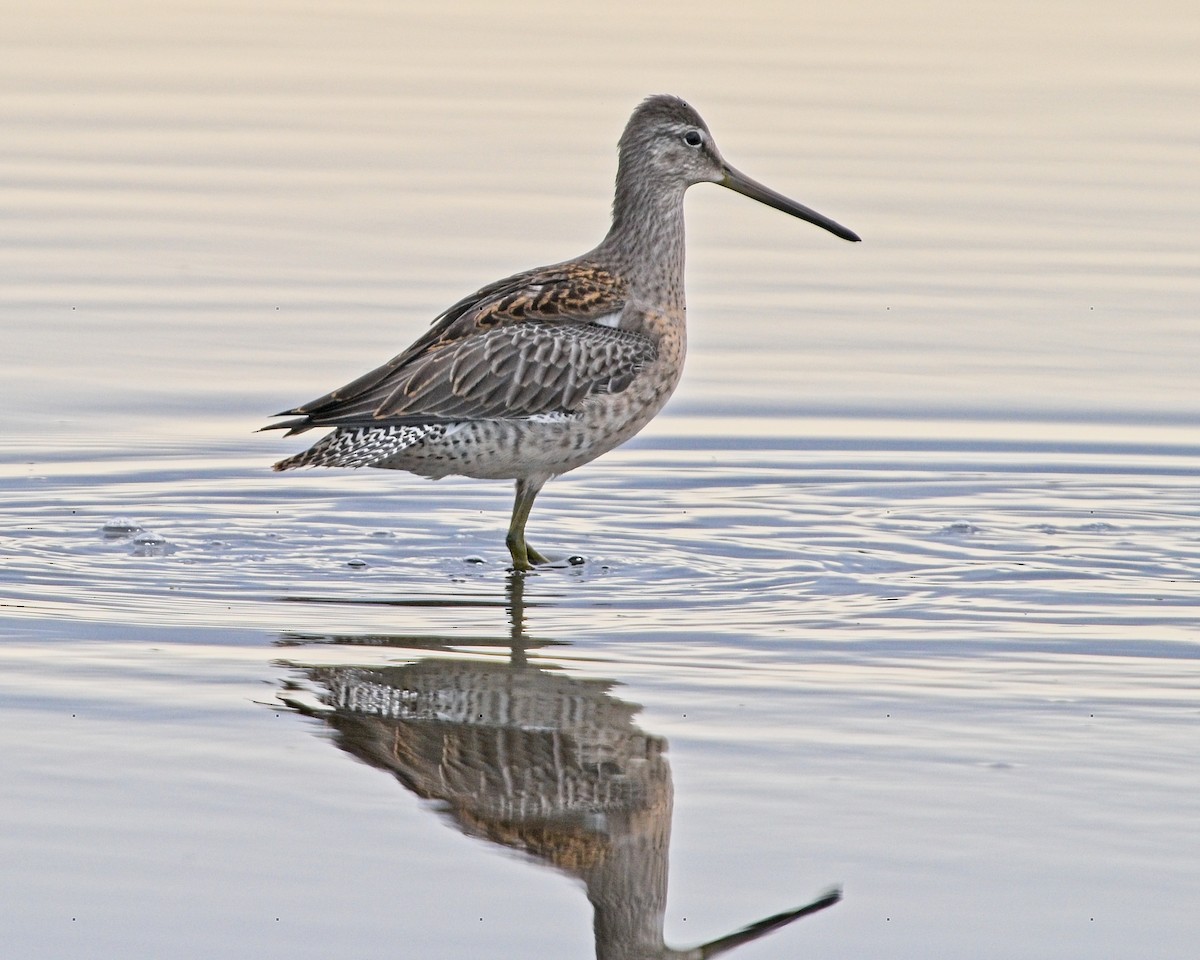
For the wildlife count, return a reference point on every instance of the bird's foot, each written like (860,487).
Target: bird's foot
(524,557)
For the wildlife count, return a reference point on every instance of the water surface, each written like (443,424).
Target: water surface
(898,595)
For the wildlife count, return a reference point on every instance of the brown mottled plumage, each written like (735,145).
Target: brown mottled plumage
(518,347)
(541,372)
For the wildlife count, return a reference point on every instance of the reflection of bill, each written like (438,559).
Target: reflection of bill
(537,761)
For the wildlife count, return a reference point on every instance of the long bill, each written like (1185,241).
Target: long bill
(756,930)
(738,182)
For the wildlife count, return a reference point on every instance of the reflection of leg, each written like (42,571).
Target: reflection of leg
(514,592)
(523,555)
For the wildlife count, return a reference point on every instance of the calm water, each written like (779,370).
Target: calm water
(900,594)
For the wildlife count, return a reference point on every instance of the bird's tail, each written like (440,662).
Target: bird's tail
(359,446)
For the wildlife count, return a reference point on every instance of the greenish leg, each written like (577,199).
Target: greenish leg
(523,555)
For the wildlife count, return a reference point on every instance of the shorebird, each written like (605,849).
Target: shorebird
(543,371)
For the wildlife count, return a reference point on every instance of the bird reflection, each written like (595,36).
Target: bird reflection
(533,760)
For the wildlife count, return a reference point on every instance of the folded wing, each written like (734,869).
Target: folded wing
(537,343)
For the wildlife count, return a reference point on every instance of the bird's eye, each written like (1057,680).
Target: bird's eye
(692,138)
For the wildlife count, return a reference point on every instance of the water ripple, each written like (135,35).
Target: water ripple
(663,538)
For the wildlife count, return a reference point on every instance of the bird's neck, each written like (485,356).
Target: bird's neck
(646,240)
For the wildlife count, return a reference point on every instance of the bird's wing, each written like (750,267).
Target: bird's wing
(540,342)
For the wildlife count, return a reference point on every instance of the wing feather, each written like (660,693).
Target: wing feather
(526,345)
